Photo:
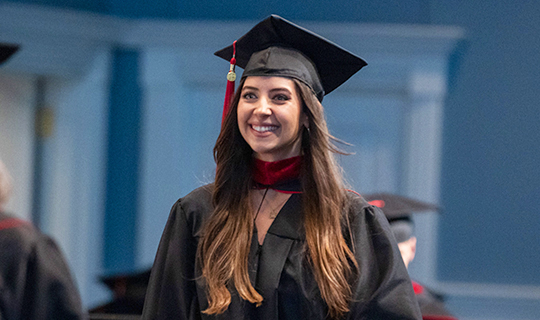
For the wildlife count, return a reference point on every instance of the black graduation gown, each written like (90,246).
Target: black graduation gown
(278,268)
(35,282)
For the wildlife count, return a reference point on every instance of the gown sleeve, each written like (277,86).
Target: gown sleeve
(383,289)
(54,293)
(37,283)
(172,290)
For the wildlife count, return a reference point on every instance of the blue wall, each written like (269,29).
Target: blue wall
(388,11)
(491,179)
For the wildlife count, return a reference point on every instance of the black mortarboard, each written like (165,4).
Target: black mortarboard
(398,210)
(277,47)
(129,292)
(6,50)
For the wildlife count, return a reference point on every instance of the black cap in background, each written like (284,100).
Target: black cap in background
(398,211)
(6,50)
(129,291)
(277,47)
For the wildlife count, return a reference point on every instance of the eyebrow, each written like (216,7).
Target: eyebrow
(281,89)
(250,88)
(271,91)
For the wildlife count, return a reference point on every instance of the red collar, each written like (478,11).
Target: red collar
(9,223)
(272,174)
(418,288)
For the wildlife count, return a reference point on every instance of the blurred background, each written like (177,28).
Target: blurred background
(110,109)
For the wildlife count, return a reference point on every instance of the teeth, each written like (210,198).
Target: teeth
(264,128)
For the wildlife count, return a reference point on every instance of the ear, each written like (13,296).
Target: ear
(304,121)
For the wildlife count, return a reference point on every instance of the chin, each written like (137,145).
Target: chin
(264,155)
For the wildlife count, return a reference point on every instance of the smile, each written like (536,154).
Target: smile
(264,128)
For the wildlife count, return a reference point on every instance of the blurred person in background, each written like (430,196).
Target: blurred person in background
(35,281)
(398,210)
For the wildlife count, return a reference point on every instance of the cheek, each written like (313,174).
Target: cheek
(242,118)
(240,114)
(297,120)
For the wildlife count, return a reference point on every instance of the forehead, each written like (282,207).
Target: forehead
(268,83)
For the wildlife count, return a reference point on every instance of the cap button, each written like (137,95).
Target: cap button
(231,76)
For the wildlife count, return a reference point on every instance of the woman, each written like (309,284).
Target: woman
(277,236)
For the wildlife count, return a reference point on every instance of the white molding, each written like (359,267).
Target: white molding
(17,95)
(488,290)
(62,42)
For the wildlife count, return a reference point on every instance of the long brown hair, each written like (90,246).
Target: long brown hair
(224,247)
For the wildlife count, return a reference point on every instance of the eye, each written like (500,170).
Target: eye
(249,95)
(281,97)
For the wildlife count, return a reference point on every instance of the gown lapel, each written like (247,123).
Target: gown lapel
(270,258)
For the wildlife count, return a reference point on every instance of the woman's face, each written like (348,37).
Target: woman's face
(270,117)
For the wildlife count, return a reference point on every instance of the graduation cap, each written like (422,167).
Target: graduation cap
(6,50)
(398,211)
(278,47)
(129,291)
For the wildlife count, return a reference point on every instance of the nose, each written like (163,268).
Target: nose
(263,107)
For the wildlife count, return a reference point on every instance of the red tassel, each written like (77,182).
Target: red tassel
(231,78)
